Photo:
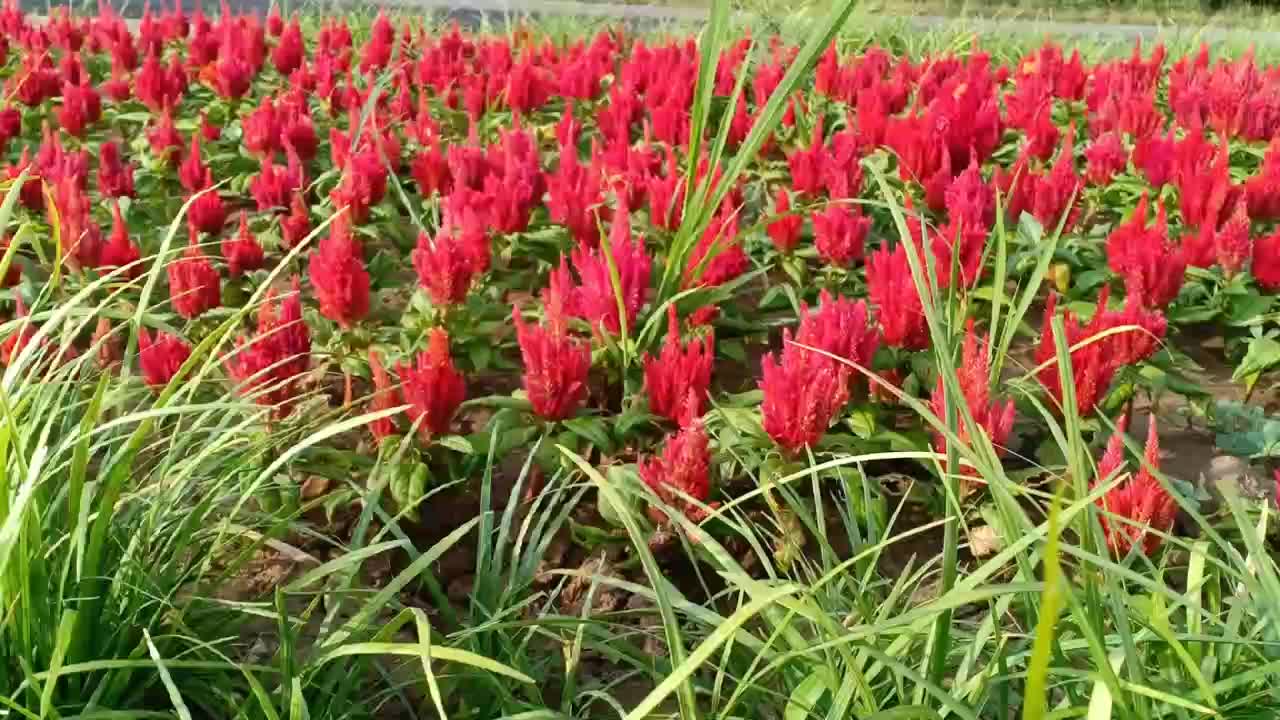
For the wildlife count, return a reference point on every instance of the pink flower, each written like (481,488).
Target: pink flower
(839,233)
(194,286)
(893,293)
(681,475)
(555,363)
(677,380)
(242,251)
(1136,510)
(162,358)
(339,276)
(432,387)
(990,417)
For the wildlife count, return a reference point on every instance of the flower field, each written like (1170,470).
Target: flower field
(515,355)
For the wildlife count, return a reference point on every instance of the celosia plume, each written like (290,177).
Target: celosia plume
(432,387)
(677,380)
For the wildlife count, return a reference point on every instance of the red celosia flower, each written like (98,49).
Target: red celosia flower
(785,230)
(555,363)
(893,292)
(1139,342)
(444,267)
(120,251)
(1232,244)
(273,185)
(261,129)
(207,212)
(115,177)
(594,299)
(267,368)
(432,387)
(110,351)
(155,87)
(295,226)
(384,397)
(806,164)
(81,107)
(841,327)
(194,286)
(164,139)
(1106,158)
(575,198)
(1154,156)
(15,343)
(1152,267)
(839,232)
(339,276)
(289,52)
(193,174)
(232,76)
(974,378)
(1136,510)
(242,251)
(161,358)
(666,197)
(681,475)
(802,395)
(430,169)
(718,257)
(1266,261)
(1092,367)
(678,378)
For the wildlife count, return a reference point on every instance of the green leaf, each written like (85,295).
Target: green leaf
(1263,353)
(592,430)
(457,443)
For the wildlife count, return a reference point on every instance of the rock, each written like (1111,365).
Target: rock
(314,487)
(984,541)
(1228,471)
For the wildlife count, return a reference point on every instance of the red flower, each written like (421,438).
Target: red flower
(207,213)
(802,395)
(1106,158)
(839,233)
(678,379)
(161,358)
(1266,261)
(208,130)
(555,363)
(193,173)
(267,368)
(261,129)
(232,76)
(164,139)
(295,226)
(1136,510)
(785,230)
(595,300)
(718,257)
(120,251)
(242,251)
(430,169)
(1152,267)
(680,477)
(289,52)
(444,267)
(1233,244)
(432,387)
(194,286)
(81,107)
(384,397)
(110,350)
(666,196)
(974,378)
(840,327)
(115,177)
(893,292)
(273,185)
(339,276)
(575,198)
